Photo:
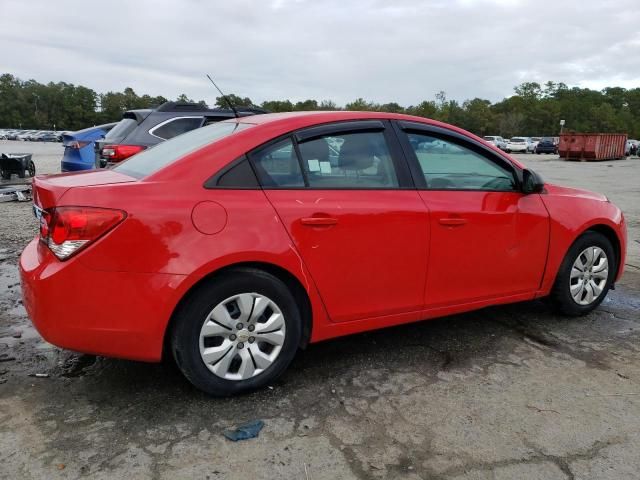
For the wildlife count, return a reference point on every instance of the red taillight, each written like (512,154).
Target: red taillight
(117,153)
(66,230)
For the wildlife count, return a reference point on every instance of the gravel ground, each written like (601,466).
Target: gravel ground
(501,393)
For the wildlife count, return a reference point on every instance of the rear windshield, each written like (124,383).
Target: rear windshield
(121,130)
(518,140)
(149,161)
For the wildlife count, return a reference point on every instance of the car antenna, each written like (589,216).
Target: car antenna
(235,112)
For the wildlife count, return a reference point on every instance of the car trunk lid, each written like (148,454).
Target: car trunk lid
(49,189)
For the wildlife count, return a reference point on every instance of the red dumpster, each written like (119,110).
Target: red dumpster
(592,146)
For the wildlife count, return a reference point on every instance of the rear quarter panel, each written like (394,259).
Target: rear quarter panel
(159,235)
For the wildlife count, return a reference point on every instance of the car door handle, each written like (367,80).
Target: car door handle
(452,222)
(319,221)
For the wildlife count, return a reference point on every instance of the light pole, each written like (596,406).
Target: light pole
(561,126)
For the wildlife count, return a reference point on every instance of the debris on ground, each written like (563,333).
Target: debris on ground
(11,193)
(244,432)
(5,358)
(39,375)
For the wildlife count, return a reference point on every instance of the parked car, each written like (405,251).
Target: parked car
(546,145)
(497,140)
(632,147)
(13,134)
(79,147)
(519,145)
(49,137)
(235,244)
(534,142)
(141,129)
(25,135)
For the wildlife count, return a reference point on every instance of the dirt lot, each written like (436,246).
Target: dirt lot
(502,393)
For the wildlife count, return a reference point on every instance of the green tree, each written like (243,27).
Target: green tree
(236,100)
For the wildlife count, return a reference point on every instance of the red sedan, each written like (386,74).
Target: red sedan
(233,245)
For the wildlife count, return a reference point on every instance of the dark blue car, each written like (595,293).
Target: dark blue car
(79,151)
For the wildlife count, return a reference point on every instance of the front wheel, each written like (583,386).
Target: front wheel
(585,276)
(237,332)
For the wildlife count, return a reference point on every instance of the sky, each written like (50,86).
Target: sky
(383,51)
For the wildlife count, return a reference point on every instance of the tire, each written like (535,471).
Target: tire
(561,293)
(5,175)
(218,299)
(32,169)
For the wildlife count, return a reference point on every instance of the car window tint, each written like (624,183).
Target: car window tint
(350,160)
(239,176)
(176,127)
(122,129)
(153,159)
(449,166)
(277,166)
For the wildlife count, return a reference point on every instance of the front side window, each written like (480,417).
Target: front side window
(449,166)
(348,160)
(176,126)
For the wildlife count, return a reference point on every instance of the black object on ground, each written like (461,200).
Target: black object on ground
(18,163)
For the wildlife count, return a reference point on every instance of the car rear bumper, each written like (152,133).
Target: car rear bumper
(115,314)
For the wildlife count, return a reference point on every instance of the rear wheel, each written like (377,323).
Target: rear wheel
(585,276)
(5,175)
(32,169)
(237,332)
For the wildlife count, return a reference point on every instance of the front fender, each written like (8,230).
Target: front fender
(571,216)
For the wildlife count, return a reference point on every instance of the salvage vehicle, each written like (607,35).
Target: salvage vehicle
(79,147)
(497,140)
(546,145)
(519,145)
(232,246)
(144,128)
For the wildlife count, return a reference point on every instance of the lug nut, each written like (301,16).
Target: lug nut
(232,337)
(239,326)
(241,345)
(251,328)
(252,339)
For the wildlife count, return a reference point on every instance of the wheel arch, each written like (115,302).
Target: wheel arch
(612,236)
(290,280)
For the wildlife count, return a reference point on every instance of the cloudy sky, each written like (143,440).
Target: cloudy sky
(382,50)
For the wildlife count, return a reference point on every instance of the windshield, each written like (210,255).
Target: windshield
(517,140)
(491,139)
(149,161)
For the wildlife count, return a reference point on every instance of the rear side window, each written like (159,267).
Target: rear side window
(277,166)
(176,126)
(349,160)
(149,161)
(239,176)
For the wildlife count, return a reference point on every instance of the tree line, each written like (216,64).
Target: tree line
(533,109)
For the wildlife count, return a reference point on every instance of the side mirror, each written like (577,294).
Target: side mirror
(531,182)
